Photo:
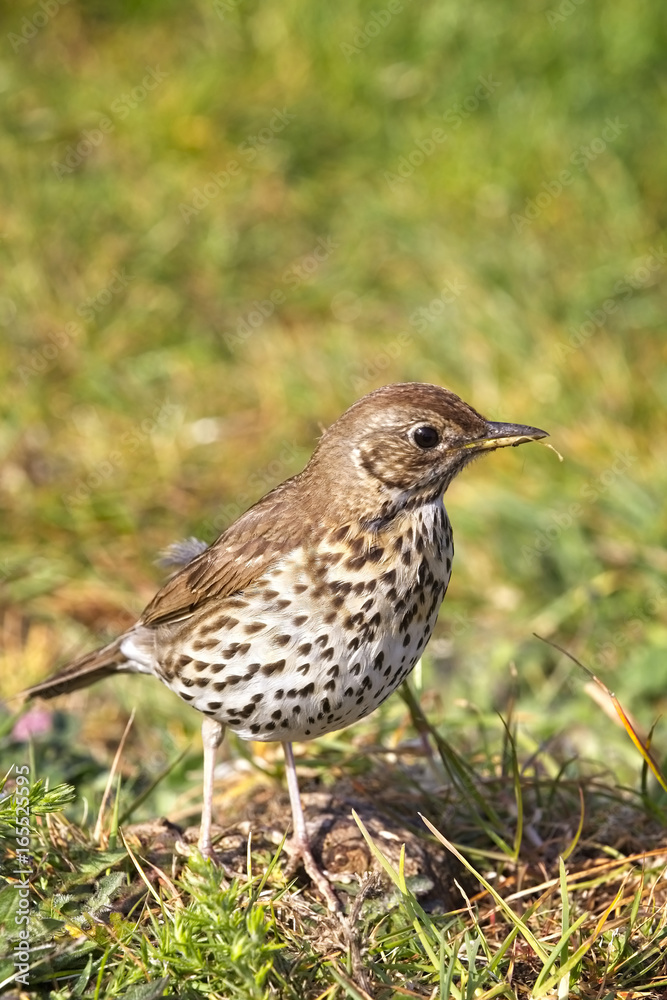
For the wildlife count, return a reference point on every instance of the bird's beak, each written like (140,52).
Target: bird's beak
(504,436)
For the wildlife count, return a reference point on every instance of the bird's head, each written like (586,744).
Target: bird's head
(410,439)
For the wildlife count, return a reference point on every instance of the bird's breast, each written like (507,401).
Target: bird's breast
(322,638)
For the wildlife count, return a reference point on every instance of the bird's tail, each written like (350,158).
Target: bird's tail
(84,671)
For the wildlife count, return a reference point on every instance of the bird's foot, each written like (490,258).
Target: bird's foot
(299,851)
(208,851)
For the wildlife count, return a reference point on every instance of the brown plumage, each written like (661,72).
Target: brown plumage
(315,604)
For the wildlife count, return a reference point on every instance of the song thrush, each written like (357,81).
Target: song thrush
(312,607)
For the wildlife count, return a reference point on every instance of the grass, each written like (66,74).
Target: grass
(169,352)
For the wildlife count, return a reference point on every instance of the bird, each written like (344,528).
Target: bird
(315,604)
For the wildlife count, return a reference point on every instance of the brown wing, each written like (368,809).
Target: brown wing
(241,555)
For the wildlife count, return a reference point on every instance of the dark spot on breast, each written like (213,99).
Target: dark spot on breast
(378,661)
(308,689)
(330,686)
(273,668)
(281,605)
(406,558)
(270,726)
(355,563)
(304,649)
(367,605)
(254,729)
(303,668)
(299,620)
(356,670)
(322,640)
(225,621)
(281,640)
(407,640)
(330,617)
(279,694)
(199,644)
(300,588)
(254,627)
(186,697)
(353,644)
(219,685)
(277,714)
(215,704)
(334,671)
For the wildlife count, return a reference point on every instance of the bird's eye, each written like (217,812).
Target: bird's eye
(425,436)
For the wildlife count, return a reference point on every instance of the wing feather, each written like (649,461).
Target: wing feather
(241,555)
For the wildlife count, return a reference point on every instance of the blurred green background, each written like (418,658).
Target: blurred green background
(223,222)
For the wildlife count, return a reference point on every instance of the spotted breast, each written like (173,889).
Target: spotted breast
(319,641)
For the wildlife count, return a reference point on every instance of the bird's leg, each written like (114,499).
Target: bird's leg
(300,847)
(212,733)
